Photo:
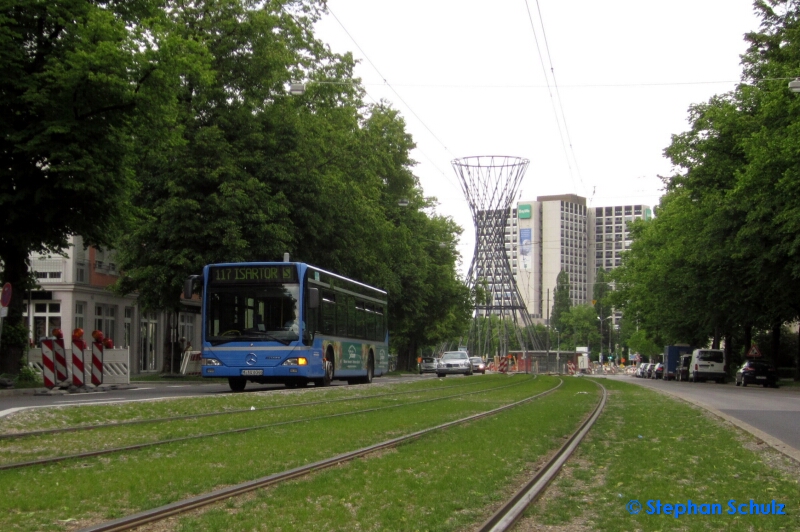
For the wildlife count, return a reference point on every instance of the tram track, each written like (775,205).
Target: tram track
(99,426)
(140,446)
(511,511)
(179,507)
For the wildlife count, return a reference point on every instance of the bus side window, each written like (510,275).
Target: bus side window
(381,323)
(361,319)
(341,315)
(371,322)
(328,312)
(351,316)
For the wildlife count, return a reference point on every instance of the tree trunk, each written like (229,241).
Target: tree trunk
(715,342)
(775,340)
(797,360)
(15,272)
(728,350)
(748,338)
(404,356)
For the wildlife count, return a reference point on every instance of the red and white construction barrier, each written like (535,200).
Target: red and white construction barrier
(503,365)
(48,364)
(78,347)
(571,367)
(61,361)
(97,363)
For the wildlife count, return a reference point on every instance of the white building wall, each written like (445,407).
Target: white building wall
(551,250)
(65,281)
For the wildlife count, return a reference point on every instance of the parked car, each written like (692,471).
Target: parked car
(641,370)
(454,362)
(682,371)
(428,365)
(707,364)
(648,371)
(757,372)
(657,371)
(478,365)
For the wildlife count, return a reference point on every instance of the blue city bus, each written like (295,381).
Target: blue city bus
(290,323)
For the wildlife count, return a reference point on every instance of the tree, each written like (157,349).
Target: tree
(640,343)
(561,300)
(579,327)
(251,172)
(74,75)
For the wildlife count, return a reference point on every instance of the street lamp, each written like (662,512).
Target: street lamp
(794,85)
(601,337)
(558,351)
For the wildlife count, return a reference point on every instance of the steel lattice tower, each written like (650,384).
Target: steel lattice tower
(490,184)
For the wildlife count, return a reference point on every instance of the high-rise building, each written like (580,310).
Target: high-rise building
(560,233)
(553,234)
(612,235)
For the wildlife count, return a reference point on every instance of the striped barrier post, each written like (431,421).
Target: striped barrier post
(503,365)
(78,347)
(97,363)
(61,361)
(48,366)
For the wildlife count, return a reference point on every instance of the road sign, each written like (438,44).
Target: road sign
(754,352)
(6,299)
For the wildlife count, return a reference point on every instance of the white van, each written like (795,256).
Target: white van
(707,364)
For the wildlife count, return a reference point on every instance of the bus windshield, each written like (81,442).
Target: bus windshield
(253,312)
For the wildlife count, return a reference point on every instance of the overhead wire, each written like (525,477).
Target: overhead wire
(550,91)
(558,94)
(405,103)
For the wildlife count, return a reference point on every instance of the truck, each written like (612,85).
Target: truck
(672,356)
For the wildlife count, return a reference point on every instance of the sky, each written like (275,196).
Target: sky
(469,79)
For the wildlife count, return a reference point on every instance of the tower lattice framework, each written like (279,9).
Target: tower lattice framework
(490,184)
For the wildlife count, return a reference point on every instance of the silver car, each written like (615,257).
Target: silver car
(428,365)
(454,362)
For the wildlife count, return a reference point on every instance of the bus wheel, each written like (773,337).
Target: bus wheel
(237,384)
(328,378)
(370,371)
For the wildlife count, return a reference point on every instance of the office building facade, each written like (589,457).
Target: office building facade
(560,233)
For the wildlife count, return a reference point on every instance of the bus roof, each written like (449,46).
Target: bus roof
(301,264)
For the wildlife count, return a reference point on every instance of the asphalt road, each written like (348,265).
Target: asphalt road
(773,411)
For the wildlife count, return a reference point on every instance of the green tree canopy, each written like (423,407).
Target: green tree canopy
(75,73)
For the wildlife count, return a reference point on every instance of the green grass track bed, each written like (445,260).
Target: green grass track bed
(73,494)
(34,447)
(650,447)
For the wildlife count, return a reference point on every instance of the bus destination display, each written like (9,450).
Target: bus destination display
(253,274)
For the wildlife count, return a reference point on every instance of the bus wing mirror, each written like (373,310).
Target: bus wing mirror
(313,298)
(188,286)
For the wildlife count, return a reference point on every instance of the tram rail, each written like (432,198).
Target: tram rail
(512,510)
(163,512)
(139,446)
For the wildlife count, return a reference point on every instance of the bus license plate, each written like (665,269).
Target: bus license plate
(252,372)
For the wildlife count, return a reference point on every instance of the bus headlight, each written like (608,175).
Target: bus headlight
(210,362)
(299,361)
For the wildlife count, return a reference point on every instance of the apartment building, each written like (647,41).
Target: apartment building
(73,293)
